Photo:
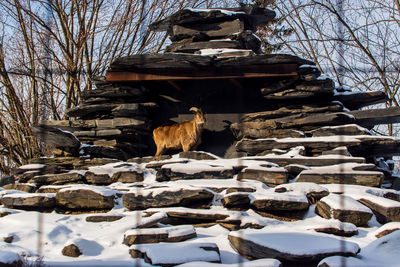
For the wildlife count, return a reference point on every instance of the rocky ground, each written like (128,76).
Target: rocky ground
(195,207)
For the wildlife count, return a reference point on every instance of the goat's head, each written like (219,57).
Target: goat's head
(199,117)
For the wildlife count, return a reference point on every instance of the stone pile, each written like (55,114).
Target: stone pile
(192,30)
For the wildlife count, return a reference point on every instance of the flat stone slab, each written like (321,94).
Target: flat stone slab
(272,201)
(312,191)
(335,227)
(170,254)
(145,198)
(347,173)
(58,179)
(32,201)
(194,170)
(385,210)
(268,176)
(85,197)
(157,235)
(343,208)
(289,246)
(348,129)
(103,218)
(387,229)
(236,200)
(115,172)
(26,187)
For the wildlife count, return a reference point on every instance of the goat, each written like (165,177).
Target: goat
(185,135)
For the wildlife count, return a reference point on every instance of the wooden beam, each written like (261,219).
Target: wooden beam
(273,70)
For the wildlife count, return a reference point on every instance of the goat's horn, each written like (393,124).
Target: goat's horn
(194,109)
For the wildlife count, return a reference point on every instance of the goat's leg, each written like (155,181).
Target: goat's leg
(186,147)
(160,150)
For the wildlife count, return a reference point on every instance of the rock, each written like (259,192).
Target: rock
(243,132)
(203,32)
(268,176)
(197,155)
(193,170)
(385,210)
(272,201)
(82,197)
(236,200)
(386,229)
(26,187)
(70,163)
(342,174)
(309,72)
(101,151)
(157,235)
(176,253)
(103,218)
(253,16)
(10,258)
(312,191)
(30,201)
(8,239)
(140,160)
(335,227)
(58,179)
(357,100)
(71,250)
(165,197)
(349,129)
(371,117)
(253,263)
(341,151)
(191,47)
(56,138)
(5,180)
(295,169)
(287,246)
(98,179)
(343,208)
(128,177)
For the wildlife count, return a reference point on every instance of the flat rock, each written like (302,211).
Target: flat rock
(70,163)
(157,235)
(385,210)
(175,253)
(254,16)
(56,138)
(236,200)
(342,174)
(30,201)
(98,179)
(312,191)
(349,129)
(244,132)
(194,170)
(26,187)
(335,227)
(103,218)
(272,201)
(269,176)
(254,263)
(165,197)
(387,229)
(288,247)
(343,208)
(357,100)
(191,47)
(58,179)
(197,155)
(84,197)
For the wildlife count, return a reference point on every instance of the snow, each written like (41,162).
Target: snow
(278,196)
(219,51)
(255,263)
(302,188)
(223,11)
(112,168)
(48,195)
(8,257)
(32,166)
(194,167)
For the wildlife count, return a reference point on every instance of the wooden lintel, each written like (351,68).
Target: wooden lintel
(277,70)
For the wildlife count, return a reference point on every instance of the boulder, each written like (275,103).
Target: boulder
(128,176)
(56,138)
(176,253)
(71,250)
(269,176)
(197,155)
(343,208)
(236,200)
(348,129)
(29,201)
(288,247)
(83,197)
(335,227)
(157,235)
(98,179)
(165,197)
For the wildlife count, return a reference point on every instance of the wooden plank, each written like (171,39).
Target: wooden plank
(273,70)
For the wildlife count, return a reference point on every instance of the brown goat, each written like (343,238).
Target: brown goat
(185,135)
